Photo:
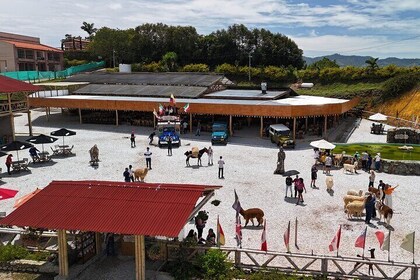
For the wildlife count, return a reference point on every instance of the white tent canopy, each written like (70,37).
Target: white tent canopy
(378,117)
(322,144)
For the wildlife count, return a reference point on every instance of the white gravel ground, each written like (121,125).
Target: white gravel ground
(250,162)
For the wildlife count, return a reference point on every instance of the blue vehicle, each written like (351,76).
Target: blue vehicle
(220,133)
(169,128)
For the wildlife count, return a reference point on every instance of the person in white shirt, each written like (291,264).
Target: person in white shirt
(210,155)
(130,171)
(378,161)
(148,155)
(221,163)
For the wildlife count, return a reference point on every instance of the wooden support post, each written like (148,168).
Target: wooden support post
(237,258)
(306,124)
(294,129)
(154,122)
(140,257)
(98,243)
(230,126)
(191,123)
(63,265)
(262,126)
(325,127)
(12,118)
(30,123)
(324,267)
(116,117)
(80,116)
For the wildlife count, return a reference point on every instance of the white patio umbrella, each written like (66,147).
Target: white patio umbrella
(322,144)
(378,117)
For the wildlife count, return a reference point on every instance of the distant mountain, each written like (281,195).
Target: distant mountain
(358,61)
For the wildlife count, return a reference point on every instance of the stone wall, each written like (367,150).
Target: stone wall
(400,167)
(404,135)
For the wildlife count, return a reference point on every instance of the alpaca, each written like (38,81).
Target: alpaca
(252,213)
(352,168)
(140,173)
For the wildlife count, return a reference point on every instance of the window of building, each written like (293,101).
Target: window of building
(29,54)
(21,53)
(40,55)
(56,56)
(50,56)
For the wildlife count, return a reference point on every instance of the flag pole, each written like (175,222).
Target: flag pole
(296,226)
(414,241)
(218,233)
(389,246)
(338,247)
(364,243)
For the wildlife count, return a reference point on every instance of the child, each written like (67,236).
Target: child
(300,189)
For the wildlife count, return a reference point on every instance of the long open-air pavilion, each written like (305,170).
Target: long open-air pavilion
(137,209)
(205,93)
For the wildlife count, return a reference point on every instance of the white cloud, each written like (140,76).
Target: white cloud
(115,6)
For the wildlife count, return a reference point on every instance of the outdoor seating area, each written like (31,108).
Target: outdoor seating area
(62,150)
(20,165)
(377,128)
(41,157)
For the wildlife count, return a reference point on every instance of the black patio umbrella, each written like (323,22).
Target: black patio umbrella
(16,146)
(63,132)
(290,173)
(42,139)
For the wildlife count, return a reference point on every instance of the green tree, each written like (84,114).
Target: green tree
(169,61)
(372,64)
(89,28)
(324,63)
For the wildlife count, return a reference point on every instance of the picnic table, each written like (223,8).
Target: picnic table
(63,150)
(19,165)
(44,156)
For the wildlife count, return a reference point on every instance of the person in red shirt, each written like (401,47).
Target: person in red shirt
(9,163)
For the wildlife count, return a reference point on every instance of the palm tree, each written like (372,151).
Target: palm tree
(88,27)
(372,64)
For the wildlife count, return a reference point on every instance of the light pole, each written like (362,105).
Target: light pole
(113,58)
(249,66)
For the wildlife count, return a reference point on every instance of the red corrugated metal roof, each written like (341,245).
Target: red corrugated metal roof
(9,85)
(126,208)
(33,46)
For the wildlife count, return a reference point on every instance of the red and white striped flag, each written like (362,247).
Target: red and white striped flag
(264,239)
(361,240)
(286,237)
(220,234)
(335,243)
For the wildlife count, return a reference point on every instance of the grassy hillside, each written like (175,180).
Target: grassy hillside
(406,105)
(341,90)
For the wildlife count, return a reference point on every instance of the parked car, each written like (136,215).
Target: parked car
(220,133)
(169,127)
(280,134)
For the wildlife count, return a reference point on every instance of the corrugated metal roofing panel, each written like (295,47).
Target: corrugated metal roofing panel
(186,79)
(142,90)
(9,85)
(126,208)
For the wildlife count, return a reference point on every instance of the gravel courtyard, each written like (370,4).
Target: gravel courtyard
(250,162)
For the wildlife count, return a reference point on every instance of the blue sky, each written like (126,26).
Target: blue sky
(377,28)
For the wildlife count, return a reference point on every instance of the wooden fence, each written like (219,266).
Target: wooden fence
(305,264)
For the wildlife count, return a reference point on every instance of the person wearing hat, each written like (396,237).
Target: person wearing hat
(9,163)
(378,161)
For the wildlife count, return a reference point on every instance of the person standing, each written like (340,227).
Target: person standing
(210,155)
(151,136)
(296,182)
(381,188)
(198,131)
(221,163)
(328,164)
(133,139)
(371,178)
(169,146)
(110,244)
(126,175)
(148,155)
(9,163)
(185,127)
(369,162)
(200,224)
(314,171)
(316,155)
(289,182)
(130,170)
(378,162)
(364,160)
(300,189)
(369,205)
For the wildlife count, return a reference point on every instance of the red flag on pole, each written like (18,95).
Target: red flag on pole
(361,240)
(238,231)
(380,235)
(264,239)
(220,234)
(286,237)
(335,243)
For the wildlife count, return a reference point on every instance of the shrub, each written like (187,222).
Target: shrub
(226,69)
(195,68)
(12,252)
(399,84)
(214,265)
(182,267)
